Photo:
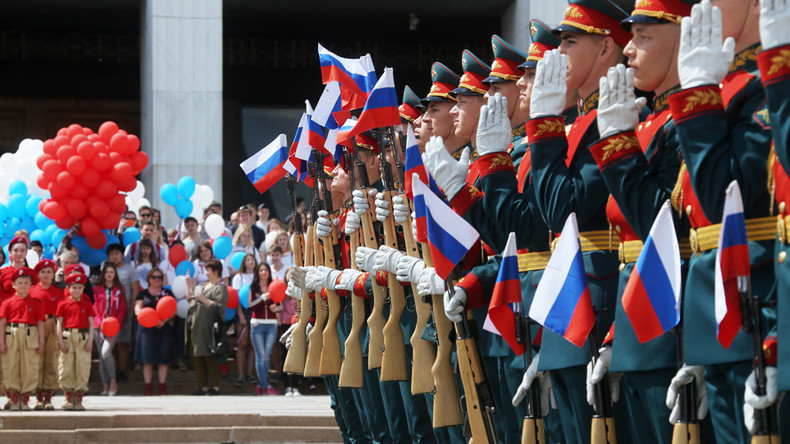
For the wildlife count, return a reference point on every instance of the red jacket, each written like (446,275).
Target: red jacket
(117,305)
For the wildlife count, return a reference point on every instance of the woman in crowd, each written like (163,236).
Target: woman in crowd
(264,326)
(204,255)
(242,240)
(154,345)
(146,260)
(287,317)
(109,300)
(245,354)
(280,239)
(207,305)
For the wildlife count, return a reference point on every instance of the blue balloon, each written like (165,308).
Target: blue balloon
(183,207)
(185,267)
(57,235)
(229,314)
(39,235)
(111,239)
(222,247)
(131,235)
(4,214)
(244,294)
(169,193)
(186,187)
(89,255)
(13,225)
(17,187)
(236,259)
(16,204)
(31,206)
(42,221)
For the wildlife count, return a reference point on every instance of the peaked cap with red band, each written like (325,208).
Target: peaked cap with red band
(507,58)
(475,71)
(601,17)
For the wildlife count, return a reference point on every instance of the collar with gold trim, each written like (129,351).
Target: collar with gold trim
(746,59)
(661,102)
(519,131)
(588,104)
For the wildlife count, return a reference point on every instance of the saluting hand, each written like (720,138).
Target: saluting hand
(702,57)
(548,90)
(774,19)
(618,107)
(493,127)
(450,174)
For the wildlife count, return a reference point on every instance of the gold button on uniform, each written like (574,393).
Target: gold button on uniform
(782,257)
(688,209)
(618,229)
(622,266)
(782,207)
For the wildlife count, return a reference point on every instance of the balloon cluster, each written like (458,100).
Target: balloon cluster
(220,243)
(179,196)
(83,172)
(165,308)
(21,165)
(136,198)
(21,213)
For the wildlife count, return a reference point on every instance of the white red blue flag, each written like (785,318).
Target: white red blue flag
(346,132)
(732,260)
(651,299)
(562,301)
(381,108)
(355,76)
(501,319)
(448,235)
(328,104)
(413,165)
(265,167)
(295,164)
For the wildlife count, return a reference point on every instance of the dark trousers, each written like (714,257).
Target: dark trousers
(206,370)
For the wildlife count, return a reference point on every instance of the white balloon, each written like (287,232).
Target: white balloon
(209,194)
(179,287)
(32,258)
(142,202)
(182,307)
(214,225)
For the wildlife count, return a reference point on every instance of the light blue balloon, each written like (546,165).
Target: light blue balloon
(229,314)
(28,224)
(88,255)
(111,239)
(57,235)
(13,225)
(236,259)
(31,206)
(183,207)
(186,187)
(222,247)
(169,193)
(16,205)
(39,235)
(42,221)
(4,214)
(131,235)
(244,295)
(185,267)
(17,187)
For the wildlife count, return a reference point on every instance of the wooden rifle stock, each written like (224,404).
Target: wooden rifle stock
(330,352)
(312,366)
(376,320)
(532,431)
(393,362)
(351,370)
(476,390)
(423,352)
(297,354)
(446,402)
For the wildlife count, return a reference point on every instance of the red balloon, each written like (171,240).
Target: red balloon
(116,158)
(73,130)
(134,143)
(99,209)
(80,192)
(166,307)
(139,161)
(65,152)
(277,290)
(101,161)
(76,208)
(148,317)
(61,139)
(90,227)
(65,222)
(42,159)
(106,189)
(86,150)
(98,241)
(119,143)
(78,139)
(177,254)
(51,169)
(107,130)
(65,180)
(121,171)
(117,204)
(53,210)
(112,220)
(87,131)
(42,182)
(75,165)
(100,146)
(57,192)
(90,178)
(110,326)
(49,147)
(128,185)
(233,298)
(94,138)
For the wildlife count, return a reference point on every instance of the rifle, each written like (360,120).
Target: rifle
(686,430)
(351,370)
(446,408)
(295,358)
(603,421)
(313,360)
(376,319)
(330,352)
(424,354)
(393,362)
(532,430)
(767,419)
(480,406)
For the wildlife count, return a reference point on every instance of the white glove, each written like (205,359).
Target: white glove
(285,339)
(618,107)
(298,276)
(544,382)
(387,259)
(382,207)
(361,203)
(771,393)
(347,279)
(493,126)
(450,174)
(548,90)
(400,210)
(409,269)
(323,226)
(430,283)
(353,222)
(455,304)
(774,17)
(321,276)
(702,58)
(596,374)
(366,258)
(414,224)
(686,375)
(293,291)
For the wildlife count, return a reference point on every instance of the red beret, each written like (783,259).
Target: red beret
(76,278)
(22,272)
(18,240)
(76,268)
(44,263)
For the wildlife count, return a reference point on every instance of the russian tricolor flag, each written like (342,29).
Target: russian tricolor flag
(328,104)
(381,108)
(265,167)
(562,300)
(413,165)
(295,164)
(651,299)
(346,132)
(732,261)
(501,319)
(355,76)
(448,235)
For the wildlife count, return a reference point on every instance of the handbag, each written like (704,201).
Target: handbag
(218,344)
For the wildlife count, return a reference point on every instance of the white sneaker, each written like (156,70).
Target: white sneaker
(295,392)
(288,391)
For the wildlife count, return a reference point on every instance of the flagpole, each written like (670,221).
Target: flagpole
(603,430)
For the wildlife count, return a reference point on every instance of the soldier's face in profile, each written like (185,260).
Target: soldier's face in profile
(341,183)
(466,114)
(420,133)
(525,87)
(652,55)
(582,51)
(437,120)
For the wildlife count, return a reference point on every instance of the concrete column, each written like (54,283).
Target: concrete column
(515,20)
(181,95)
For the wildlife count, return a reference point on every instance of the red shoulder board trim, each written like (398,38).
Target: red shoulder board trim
(492,163)
(734,83)
(576,133)
(614,147)
(688,102)
(523,170)
(648,129)
(545,128)
(774,64)
(464,199)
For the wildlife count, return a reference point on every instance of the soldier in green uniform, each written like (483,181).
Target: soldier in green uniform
(436,121)
(720,118)
(639,163)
